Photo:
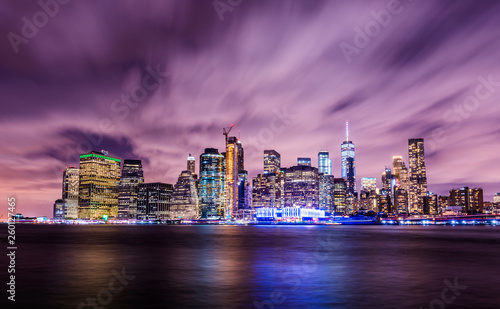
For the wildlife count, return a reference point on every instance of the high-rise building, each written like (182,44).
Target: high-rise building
(386,180)
(98,186)
(241,157)
(404,179)
(231,179)
(443,203)
(211,184)
(301,186)
(132,176)
(400,200)
(339,198)
(59,210)
(71,179)
(272,161)
(369,184)
(418,175)
(471,200)
(326,192)
(397,167)
(324,163)
(185,203)
(191,166)
(268,190)
(153,201)
(244,193)
(348,163)
(303,161)
(496,198)
(431,204)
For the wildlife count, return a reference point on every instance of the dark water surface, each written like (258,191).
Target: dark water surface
(256,266)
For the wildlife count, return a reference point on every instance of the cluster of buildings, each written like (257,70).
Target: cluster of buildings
(102,187)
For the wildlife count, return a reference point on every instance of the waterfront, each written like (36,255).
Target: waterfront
(241,266)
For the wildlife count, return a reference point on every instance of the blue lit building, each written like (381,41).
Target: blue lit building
(211,184)
(348,164)
(324,163)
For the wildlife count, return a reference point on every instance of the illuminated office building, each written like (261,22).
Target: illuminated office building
(386,180)
(241,157)
(211,184)
(59,210)
(303,161)
(400,200)
(369,184)
(185,203)
(403,177)
(417,174)
(324,163)
(132,176)
(326,192)
(191,166)
(244,195)
(267,190)
(272,161)
(496,198)
(71,179)
(443,203)
(431,204)
(348,164)
(397,167)
(471,200)
(339,197)
(98,186)
(301,186)
(153,201)
(384,202)
(231,179)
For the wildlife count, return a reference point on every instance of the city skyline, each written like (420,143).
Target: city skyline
(210,73)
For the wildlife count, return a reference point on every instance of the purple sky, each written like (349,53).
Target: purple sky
(419,75)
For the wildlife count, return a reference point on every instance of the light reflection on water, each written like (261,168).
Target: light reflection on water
(238,266)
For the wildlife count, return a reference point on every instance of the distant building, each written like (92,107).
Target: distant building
(496,198)
(70,191)
(211,184)
(153,201)
(443,203)
(471,200)
(268,190)
(348,164)
(339,198)
(417,174)
(301,186)
(400,201)
(132,176)
(368,184)
(185,203)
(191,166)
(431,204)
(231,178)
(324,163)
(303,161)
(272,161)
(326,192)
(98,186)
(59,209)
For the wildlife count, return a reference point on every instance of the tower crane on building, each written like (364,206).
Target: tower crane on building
(226,132)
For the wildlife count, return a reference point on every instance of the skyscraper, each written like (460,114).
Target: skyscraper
(153,201)
(132,176)
(348,164)
(191,166)
(267,190)
(324,163)
(368,184)
(471,200)
(211,184)
(71,179)
(185,203)
(326,192)
(301,186)
(340,195)
(272,161)
(59,210)
(231,185)
(417,175)
(397,167)
(98,186)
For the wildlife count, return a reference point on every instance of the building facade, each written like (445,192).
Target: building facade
(211,184)
(70,191)
(301,187)
(324,163)
(132,176)
(417,175)
(272,161)
(185,203)
(98,186)
(153,201)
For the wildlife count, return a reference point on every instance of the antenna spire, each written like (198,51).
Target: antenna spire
(347,131)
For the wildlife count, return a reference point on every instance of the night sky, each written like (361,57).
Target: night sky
(288,74)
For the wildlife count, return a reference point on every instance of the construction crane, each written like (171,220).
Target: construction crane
(226,133)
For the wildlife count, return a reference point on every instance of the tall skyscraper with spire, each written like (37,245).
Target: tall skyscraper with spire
(418,175)
(348,163)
